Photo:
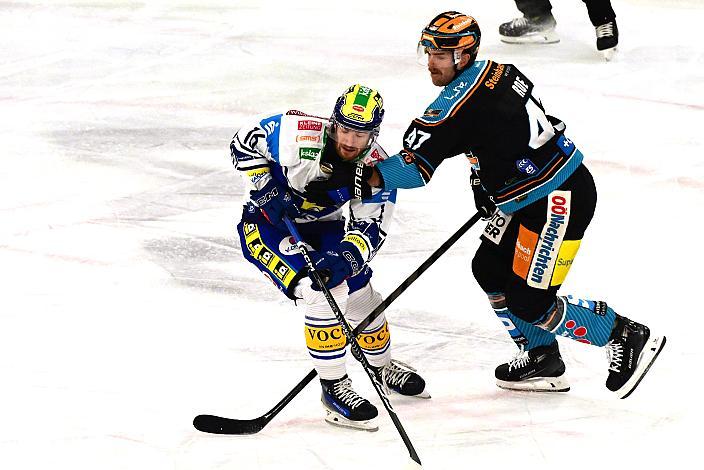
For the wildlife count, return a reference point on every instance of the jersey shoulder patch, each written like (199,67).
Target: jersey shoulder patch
(455,94)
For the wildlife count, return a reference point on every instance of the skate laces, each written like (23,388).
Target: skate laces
(605,30)
(343,391)
(397,373)
(614,353)
(518,22)
(519,360)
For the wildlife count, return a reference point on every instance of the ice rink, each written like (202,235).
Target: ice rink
(127,308)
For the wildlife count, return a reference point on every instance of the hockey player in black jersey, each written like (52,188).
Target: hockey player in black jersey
(529,182)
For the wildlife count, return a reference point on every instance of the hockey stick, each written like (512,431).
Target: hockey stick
(222,425)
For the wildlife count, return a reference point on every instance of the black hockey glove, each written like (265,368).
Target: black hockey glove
(482,201)
(347,181)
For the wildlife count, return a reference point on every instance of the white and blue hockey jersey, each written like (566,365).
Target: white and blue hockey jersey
(290,147)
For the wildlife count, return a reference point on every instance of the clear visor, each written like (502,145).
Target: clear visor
(423,52)
(350,143)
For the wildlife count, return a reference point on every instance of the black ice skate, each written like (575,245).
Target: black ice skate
(402,379)
(345,408)
(607,39)
(539,370)
(631,351)
(530,30)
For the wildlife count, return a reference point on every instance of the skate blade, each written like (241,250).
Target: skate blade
(546,37)
(647,357)
(424,395)
(540,384)
(337,419)
(609,54)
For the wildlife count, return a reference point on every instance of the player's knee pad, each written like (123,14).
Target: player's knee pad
(527,303)
(486,268)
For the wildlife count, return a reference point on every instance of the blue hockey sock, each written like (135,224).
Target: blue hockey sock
(586,321)
(523,333)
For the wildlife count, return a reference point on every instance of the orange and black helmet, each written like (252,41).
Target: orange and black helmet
(452,30)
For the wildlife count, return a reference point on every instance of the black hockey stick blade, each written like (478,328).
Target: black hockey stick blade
(220,425)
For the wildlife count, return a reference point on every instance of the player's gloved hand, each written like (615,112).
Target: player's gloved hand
(347,181)
(482,201)
(334,266)
(275,202)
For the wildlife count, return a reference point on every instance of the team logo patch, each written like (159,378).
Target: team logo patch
(310,125)
(526,166)
(548,248)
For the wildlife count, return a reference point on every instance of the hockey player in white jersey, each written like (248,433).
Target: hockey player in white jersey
(278,156)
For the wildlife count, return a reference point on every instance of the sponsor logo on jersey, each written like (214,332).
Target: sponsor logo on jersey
(495,77)
(496,227)
(256,175)
(432,112)
(307,138)
(310,125)
(523,251)
(526,166)
(546,253)
(308,153)
(568,250)
(376,156)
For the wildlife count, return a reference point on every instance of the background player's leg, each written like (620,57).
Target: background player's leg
(537,25)
(603,17)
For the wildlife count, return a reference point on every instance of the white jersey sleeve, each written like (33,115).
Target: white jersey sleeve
(370,218)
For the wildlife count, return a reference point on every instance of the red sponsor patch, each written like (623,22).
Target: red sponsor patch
(358,108)
(375,155)
(310,125)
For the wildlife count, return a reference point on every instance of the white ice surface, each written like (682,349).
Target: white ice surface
(127,308)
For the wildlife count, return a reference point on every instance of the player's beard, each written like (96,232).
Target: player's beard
(440,77)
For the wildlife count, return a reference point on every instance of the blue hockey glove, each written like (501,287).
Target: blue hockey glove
(482,201)
(335,266)
(347,181)
(275,202)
